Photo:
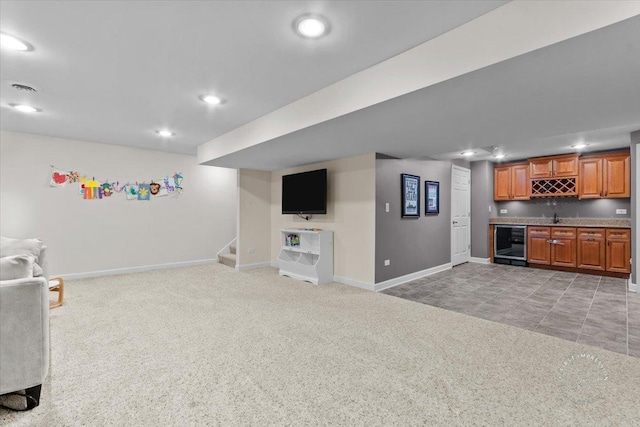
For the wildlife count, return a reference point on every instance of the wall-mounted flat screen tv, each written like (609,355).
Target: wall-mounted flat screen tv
(305,193)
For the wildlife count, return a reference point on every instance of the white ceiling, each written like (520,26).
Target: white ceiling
(115,71)
(583,89)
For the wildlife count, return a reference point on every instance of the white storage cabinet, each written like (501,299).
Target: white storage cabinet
(306,255)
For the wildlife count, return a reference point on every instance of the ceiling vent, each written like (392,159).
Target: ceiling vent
(22,87)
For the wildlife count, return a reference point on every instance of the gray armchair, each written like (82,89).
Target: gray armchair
(24,334)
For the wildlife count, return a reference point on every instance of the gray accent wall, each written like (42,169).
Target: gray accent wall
(411,245)
(567,207)
(483,207)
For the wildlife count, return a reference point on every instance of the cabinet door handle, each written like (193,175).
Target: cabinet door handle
(606,193)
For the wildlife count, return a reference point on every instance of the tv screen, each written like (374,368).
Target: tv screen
(305,193)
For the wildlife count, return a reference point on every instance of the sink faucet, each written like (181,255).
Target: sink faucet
(555,218)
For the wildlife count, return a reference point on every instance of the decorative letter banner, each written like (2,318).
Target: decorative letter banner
(144,192)
(101,189)
(58,178)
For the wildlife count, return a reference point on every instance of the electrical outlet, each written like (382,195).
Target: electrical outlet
(386,207)
(621,211)
(489,208)
(251,250)
(503,211)
(387,262)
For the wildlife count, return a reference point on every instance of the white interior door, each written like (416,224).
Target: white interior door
(460,215)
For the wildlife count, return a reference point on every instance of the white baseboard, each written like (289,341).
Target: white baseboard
(480,260)
(409,277)
(127,270)
(633,287)
(353,282)
(253,266)
(389,283)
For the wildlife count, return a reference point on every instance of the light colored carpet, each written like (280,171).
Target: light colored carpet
(208,345)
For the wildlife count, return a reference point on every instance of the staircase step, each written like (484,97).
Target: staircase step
(227,259)
(232,248)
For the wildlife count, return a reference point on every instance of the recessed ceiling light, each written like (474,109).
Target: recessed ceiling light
(165,133)
(25,108)
(499,156)
(311,26)
(14,43)
(211,99)
(579,146)
(468,153)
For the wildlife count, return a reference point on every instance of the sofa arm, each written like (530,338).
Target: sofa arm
(43,262)
(24,333)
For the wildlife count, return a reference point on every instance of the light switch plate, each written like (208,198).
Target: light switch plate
(387,262)
(489,208)
(386,207)
(503,211)
(621,211)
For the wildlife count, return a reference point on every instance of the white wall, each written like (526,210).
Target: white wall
(351,198)
(95,235)
(254,230)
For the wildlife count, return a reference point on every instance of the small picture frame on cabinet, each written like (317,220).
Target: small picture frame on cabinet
(432,197)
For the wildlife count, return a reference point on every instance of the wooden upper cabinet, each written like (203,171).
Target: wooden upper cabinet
(502,183)
(520,182)
(617,175)
(540,168)
(565,166)
(511,182)
(607,176)
(590,185)
(553,167)
(589,177)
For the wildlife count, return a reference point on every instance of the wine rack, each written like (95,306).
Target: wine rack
(557,187)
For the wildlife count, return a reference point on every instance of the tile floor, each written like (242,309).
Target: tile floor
(593,310)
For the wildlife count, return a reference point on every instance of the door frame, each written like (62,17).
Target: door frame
(453,168)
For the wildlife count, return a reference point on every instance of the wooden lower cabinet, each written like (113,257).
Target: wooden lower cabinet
(563,246)
(538,247)
(597,249)
(618,250)
(591,249)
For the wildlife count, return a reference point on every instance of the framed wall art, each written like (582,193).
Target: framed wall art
(432,198)
(410,196)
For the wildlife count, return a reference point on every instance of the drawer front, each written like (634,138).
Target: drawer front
(619,233)
(540,231)
(591,233)
(563,232)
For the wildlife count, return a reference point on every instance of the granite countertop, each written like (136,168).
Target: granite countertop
(565,222)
